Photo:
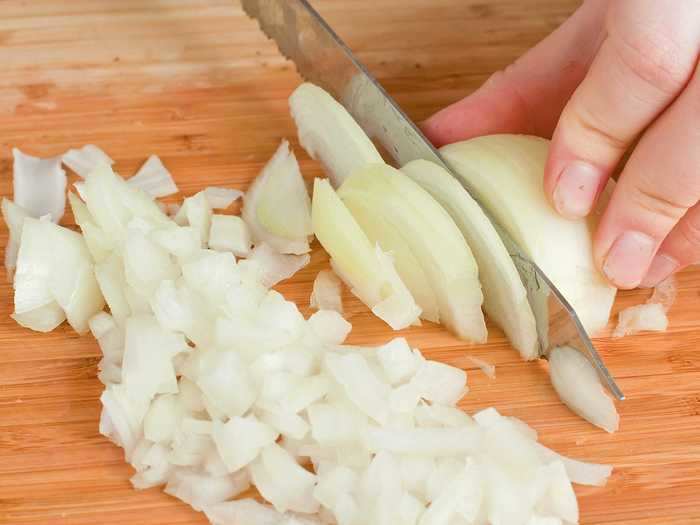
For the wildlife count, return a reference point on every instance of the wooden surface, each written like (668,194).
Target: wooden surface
(195,82)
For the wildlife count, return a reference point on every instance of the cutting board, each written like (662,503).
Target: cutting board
(195,82)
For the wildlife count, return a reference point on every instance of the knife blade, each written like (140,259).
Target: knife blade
(321,57)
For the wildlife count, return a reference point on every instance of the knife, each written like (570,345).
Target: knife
(322,57)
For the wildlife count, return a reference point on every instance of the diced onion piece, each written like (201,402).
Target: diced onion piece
(649,317)
(196,212)
(221,198)
(398,360)
(329,134)
(505,297)
(369,273)
(230,233)
(162,419)
(145,263)
(212,274)
(385,194)
(578,385)
(112,281)
(276,206)
(84,160)
(580,472)
(201,490)
(326,292)
(14,216)
(97,242)
(434,442)
(248,511)
(361,385)
(275,266)
(54,265)
(240,440)
(283,482)
(154,178)
(505,173)
(181,241)
(39,185)
(558,499)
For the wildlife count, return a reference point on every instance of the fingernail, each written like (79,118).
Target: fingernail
(576,189)
(628,259)
(661,267)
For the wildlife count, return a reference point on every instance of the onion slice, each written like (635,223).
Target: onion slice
(578,385)
(329,134)
(13,215)
(368,271)
(505,173)
(382,193)
(221,198)
(505,297)
(649,317)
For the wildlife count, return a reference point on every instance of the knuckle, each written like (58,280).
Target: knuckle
(689,228)
(654,58)
(657,204)
(592,125)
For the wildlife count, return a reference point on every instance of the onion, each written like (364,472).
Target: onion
(230,233)
(221,198)
(486,367)
(578,385)
(329,134)
(649,317)
(276,206)
(504,172)
(274,266)
(196,212)
(505,297)
(84,160)
(368,272)
(326,292)
(214,382)
(380,193)
(14,216)
(154,179)
(39,185)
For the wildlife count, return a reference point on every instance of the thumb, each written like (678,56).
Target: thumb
(528,96)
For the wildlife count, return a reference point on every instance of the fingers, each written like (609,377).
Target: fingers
(643,64)
(659,184)
(528,96)
(680,249)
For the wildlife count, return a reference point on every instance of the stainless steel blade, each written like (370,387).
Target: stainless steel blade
(323,58)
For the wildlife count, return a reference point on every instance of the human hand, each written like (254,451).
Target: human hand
(615,74)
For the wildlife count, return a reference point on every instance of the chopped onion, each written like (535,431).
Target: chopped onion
(329,134)
(97,243)
(84,160)
(277,208)
(578,385)
(649,317)
(505,173)
(275,266)
(368,271)
(505,297)
(154,178)
(14,216)
(201,490)
(230,233)
(221,198)
(39,185)
(326,292)
(240,440)
(380,193)
(196,212)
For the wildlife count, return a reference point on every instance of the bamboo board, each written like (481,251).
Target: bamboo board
(196,82)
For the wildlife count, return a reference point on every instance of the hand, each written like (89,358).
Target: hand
(617,73)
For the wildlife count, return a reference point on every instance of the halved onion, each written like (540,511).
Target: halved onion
(505,173)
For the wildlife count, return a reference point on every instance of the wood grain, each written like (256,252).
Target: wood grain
(195,82)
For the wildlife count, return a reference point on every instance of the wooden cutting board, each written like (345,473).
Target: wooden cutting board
(195,82)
